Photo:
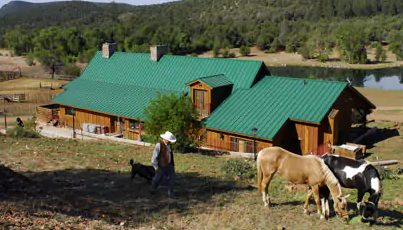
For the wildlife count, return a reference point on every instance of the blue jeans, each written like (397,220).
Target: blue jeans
(167,172)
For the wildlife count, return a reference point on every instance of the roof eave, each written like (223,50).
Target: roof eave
(240,134)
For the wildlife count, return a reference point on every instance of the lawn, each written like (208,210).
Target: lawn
(80,184)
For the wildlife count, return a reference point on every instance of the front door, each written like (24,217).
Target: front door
(200,100)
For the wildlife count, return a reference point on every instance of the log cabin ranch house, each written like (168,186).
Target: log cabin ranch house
(242,104)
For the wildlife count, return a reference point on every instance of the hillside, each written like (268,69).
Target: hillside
(67,13)
(15,7)
(312,28)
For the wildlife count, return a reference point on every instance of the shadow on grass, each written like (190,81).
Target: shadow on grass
(385,217)
(115,198)
(371,136)
(394,218)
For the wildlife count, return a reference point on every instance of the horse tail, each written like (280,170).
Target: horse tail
(131,162)
(259,174)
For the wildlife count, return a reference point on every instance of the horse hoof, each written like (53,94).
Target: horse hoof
(306,212)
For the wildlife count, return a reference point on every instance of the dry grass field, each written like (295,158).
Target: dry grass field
(70,184)
(295,59)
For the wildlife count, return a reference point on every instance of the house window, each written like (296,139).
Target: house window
(249,147)
(134,125)
(69,111)
(234,144)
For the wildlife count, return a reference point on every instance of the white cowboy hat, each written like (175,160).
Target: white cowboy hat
(168,136)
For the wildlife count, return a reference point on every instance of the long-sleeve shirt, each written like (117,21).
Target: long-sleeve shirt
(156,152)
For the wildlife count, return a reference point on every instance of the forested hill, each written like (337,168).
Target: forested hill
(73,30)
(69,13)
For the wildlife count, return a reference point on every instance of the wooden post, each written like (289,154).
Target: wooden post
(74,127)
(5,120)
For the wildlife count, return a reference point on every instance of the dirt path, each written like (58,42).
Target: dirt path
(284,59)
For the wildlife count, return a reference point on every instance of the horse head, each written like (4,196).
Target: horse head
(340,207)
(370,208)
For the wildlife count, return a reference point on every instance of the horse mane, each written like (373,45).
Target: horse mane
(329,177)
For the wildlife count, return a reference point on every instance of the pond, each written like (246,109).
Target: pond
(386,78)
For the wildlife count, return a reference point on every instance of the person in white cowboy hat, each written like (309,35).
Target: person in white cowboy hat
(163,162)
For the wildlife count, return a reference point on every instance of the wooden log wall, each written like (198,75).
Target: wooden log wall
(308,136)
(344,117)
(130,134)
(85,116)
(217,140)
(43,114)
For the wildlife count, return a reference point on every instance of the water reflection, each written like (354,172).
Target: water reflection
(387,83)
(387,78)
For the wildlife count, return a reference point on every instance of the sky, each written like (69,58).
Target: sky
(133,2)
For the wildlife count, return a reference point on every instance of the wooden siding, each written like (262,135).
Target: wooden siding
(198,86)
(308,136)
(85,116)
(222,141)
(345,104)
(130,134)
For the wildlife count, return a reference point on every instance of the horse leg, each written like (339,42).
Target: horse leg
(327,212)
(315,190)
(265,191)
(309,195)
(359,200)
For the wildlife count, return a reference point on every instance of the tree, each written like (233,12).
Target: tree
(380,53)
(176,114)
(244,50)
(351,44)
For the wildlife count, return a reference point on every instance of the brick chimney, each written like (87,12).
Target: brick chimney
(108,49)
(156,52)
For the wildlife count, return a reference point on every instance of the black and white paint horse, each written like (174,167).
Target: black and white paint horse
(358,175)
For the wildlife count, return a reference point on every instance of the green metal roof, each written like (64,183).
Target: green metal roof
(216,81)
(170,72)
(272,101)
(118,99)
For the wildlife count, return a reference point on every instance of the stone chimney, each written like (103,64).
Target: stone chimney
(108,49)
(156,52)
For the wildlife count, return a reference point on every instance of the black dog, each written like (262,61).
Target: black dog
(144,171)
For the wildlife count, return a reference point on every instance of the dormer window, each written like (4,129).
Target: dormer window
(203,91)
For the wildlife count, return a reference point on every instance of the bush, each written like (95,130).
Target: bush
(305,52)
(290,49)
(216,51)
(71,70)
(385,173)
(243,168)
(231,55)
(244,50)
(225,53)
(29,59)
(18,132)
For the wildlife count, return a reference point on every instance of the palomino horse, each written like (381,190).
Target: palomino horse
(308,169)
(358,175)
